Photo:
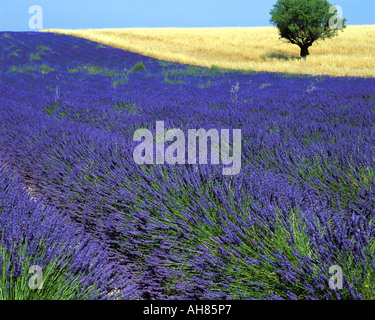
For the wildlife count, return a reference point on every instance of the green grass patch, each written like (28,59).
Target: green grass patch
(205,84)
(165,63)
(264,85)
(110,73)
(93,70)
(294,75)
(35,56)
(51,108)
(166,80)
(73,70)
(26,68)
(45,69)
(118,82)
(248,72)
(139,66)
(63,114)
(15,53)
(43,48)
(125,107)
(196,71)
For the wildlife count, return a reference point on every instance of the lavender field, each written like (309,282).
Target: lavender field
(74,202)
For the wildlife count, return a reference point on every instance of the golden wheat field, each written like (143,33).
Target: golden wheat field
(351,53)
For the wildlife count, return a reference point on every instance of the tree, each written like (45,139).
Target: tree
(302,22)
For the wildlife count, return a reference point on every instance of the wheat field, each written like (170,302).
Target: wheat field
(351,53)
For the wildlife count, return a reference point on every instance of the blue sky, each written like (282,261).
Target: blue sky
(83,14)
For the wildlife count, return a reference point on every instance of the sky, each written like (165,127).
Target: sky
(85,14)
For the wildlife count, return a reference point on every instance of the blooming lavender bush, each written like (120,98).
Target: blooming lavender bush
(302,202)
(34,234)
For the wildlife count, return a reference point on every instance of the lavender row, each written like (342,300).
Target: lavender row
(36,234)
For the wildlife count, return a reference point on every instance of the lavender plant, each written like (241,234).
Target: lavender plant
(33,234)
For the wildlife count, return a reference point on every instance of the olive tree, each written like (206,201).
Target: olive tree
(302,22)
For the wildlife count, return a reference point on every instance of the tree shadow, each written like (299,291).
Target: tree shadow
(280,56)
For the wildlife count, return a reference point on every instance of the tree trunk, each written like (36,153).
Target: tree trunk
(304,51)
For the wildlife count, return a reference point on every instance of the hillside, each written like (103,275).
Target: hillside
(351,53)
(302,202)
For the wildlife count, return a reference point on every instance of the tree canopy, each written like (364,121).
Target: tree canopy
(302,22)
